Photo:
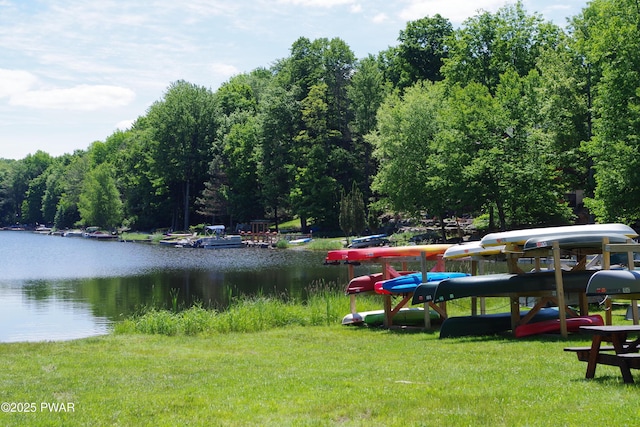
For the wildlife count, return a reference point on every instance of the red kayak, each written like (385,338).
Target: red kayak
(371,254)
(553,326)
(366,283)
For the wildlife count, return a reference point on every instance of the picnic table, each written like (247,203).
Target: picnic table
(622,352)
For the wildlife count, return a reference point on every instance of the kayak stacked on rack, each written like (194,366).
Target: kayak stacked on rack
(385,256)
(546,286)
(358,255)
(408,283)
(543,284)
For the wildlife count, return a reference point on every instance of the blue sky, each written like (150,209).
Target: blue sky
(74,71)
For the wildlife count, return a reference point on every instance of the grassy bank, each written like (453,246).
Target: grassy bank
(324,375)
(275,370)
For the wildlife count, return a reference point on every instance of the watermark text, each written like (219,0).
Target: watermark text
(24,407)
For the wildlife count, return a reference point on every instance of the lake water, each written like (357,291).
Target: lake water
(58,288)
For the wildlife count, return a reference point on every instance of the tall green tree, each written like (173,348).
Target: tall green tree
(100,203)
(22,173)
(67,214)
(423,48)
(213,201)
(318,74)
(278,126)
(240,151)
(32,203)
(315,193)
(537,190)
(7,202)
(366,93)
(235,162)
(565,111)
(144,207)
(609,33)
(352,212)
(409,178)
(183,126)
(489,44)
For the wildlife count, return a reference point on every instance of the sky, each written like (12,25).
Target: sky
(74,71)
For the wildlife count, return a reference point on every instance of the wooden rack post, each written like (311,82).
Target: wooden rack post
(629,248)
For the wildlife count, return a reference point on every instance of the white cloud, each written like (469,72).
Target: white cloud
(317,3)
(82,97)
(125,124)
(380,18)
(456,11)
(356,8)
(15,81)
(224,70)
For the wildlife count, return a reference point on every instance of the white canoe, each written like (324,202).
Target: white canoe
(519,237)
(471,249)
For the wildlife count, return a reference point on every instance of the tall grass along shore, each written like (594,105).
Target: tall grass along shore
(272,362)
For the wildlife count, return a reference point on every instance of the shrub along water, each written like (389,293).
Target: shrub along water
(324,305)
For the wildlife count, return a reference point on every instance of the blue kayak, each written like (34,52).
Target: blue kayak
(408,283)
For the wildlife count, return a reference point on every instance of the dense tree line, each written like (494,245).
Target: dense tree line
(501,117)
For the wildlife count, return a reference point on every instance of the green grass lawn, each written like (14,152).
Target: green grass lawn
(311,375)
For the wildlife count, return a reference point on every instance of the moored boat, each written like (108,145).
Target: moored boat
(43,230)
(300,241)
(369,241)
(100,235)
(215,238)
(179,240)
(231,241)
(73,233)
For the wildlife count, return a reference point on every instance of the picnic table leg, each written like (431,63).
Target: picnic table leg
(593,356)
(388,316)
(625,370)
(618,342)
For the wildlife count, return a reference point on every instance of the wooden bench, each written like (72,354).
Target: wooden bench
(632,360)
(583,352)
(624,353)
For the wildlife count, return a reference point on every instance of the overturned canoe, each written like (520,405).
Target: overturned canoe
(519,237)
(553,326)
(500,285)
(404,317)
(573,241)
(614,282)
(472,249)
(488,324)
